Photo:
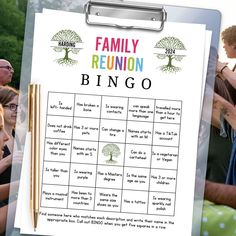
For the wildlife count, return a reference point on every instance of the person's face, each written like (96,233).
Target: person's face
(6,72)
(10,112)
(230,50)
(3,135)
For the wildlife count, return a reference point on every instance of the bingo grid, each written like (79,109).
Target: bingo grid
(141,175)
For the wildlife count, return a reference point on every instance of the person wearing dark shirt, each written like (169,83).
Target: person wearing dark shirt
(9,102)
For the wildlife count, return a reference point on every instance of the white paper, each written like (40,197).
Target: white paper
(151,116)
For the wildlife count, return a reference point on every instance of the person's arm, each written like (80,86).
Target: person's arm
(222,106)
(226,73)
(220,193)
(5,163)
(216,110)
(3,218)
(4,191)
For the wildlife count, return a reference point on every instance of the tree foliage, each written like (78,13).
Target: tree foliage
(12,22)
(67,36)
(170,44)
(111,150)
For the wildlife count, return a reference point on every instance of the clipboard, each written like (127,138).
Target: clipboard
(161,14)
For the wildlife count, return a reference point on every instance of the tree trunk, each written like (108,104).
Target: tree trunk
(110,157)
(66,57)
(170,61)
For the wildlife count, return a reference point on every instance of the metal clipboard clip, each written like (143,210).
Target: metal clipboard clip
(126,10)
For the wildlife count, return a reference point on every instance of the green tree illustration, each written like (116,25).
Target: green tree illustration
(66,37)
(170,44)
(111,150)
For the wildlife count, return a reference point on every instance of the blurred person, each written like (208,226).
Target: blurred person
(22,120)
(225,73)
(223,193)
(9,102)
(4,189)
(220,142)
(6,72)
(7,210)
(8,113)
(221,138)
(224,110)
(229,40)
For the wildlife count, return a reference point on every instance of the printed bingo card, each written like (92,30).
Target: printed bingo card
(120,117)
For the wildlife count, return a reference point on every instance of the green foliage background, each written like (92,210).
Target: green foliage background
(12,24)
